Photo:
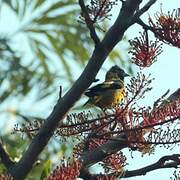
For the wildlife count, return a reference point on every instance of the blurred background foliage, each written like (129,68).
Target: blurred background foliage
(42,46)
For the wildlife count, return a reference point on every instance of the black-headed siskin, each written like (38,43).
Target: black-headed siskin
(111,92)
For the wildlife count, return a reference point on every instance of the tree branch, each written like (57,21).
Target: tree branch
(89,22)
(65,103)
(144,25)
(144,8)
(174,96)
(160,164)
(141,127)
(5,158)
(89,158)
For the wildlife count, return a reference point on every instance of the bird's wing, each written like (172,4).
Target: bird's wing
(98,89)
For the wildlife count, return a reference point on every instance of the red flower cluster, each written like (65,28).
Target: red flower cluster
(161,113)
(98,10)
(66,171)
(137,141)
(94,143)
(167,27)
(114,162)
(78,149)
(144,52)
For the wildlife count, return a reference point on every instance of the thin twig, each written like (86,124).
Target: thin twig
(161,163)
(144,8)
(171,161)
(139,127)
(60,92)
(144,25)
(89,22)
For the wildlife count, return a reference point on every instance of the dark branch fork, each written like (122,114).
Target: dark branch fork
(89,23)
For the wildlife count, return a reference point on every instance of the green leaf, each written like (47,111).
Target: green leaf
(9,3)
(38,3)
(59,52)
(25,6)
(59,19)
(115,55)
(58,5)
(19,7)
(43,59)
(46,170)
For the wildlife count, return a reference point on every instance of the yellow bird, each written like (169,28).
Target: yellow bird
(109,93)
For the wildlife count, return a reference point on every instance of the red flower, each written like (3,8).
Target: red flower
(66,171)
(167,27)
(94,143)
(114,162)
(144,52)
(99,10)
(162,113)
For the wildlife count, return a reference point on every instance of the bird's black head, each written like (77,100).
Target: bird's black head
(116,73)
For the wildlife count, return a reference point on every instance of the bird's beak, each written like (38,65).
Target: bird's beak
(125,75)
(95,80)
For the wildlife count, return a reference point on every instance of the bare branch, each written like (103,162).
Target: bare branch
(174,96)
(172,161)
(144,25)
(160,164)
(144,8)
(89,22)
(114,145)
(5,158)
(60,91)
(140,127)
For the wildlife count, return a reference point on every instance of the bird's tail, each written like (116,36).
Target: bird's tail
(87,102)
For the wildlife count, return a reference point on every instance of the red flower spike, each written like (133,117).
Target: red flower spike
(66,171)
(124,117)
(144,52)
(161,113)
(94,143)
(167,27)
(99,10)
(114,163)
(137,141)
(78,149)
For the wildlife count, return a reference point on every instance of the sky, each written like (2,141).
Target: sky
(166,72)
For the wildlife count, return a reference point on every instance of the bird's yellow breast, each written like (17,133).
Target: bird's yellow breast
(110,98)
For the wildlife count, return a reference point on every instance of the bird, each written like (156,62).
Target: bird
(111,92)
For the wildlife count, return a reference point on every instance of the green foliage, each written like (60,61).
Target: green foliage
(46,170)
(49,28)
